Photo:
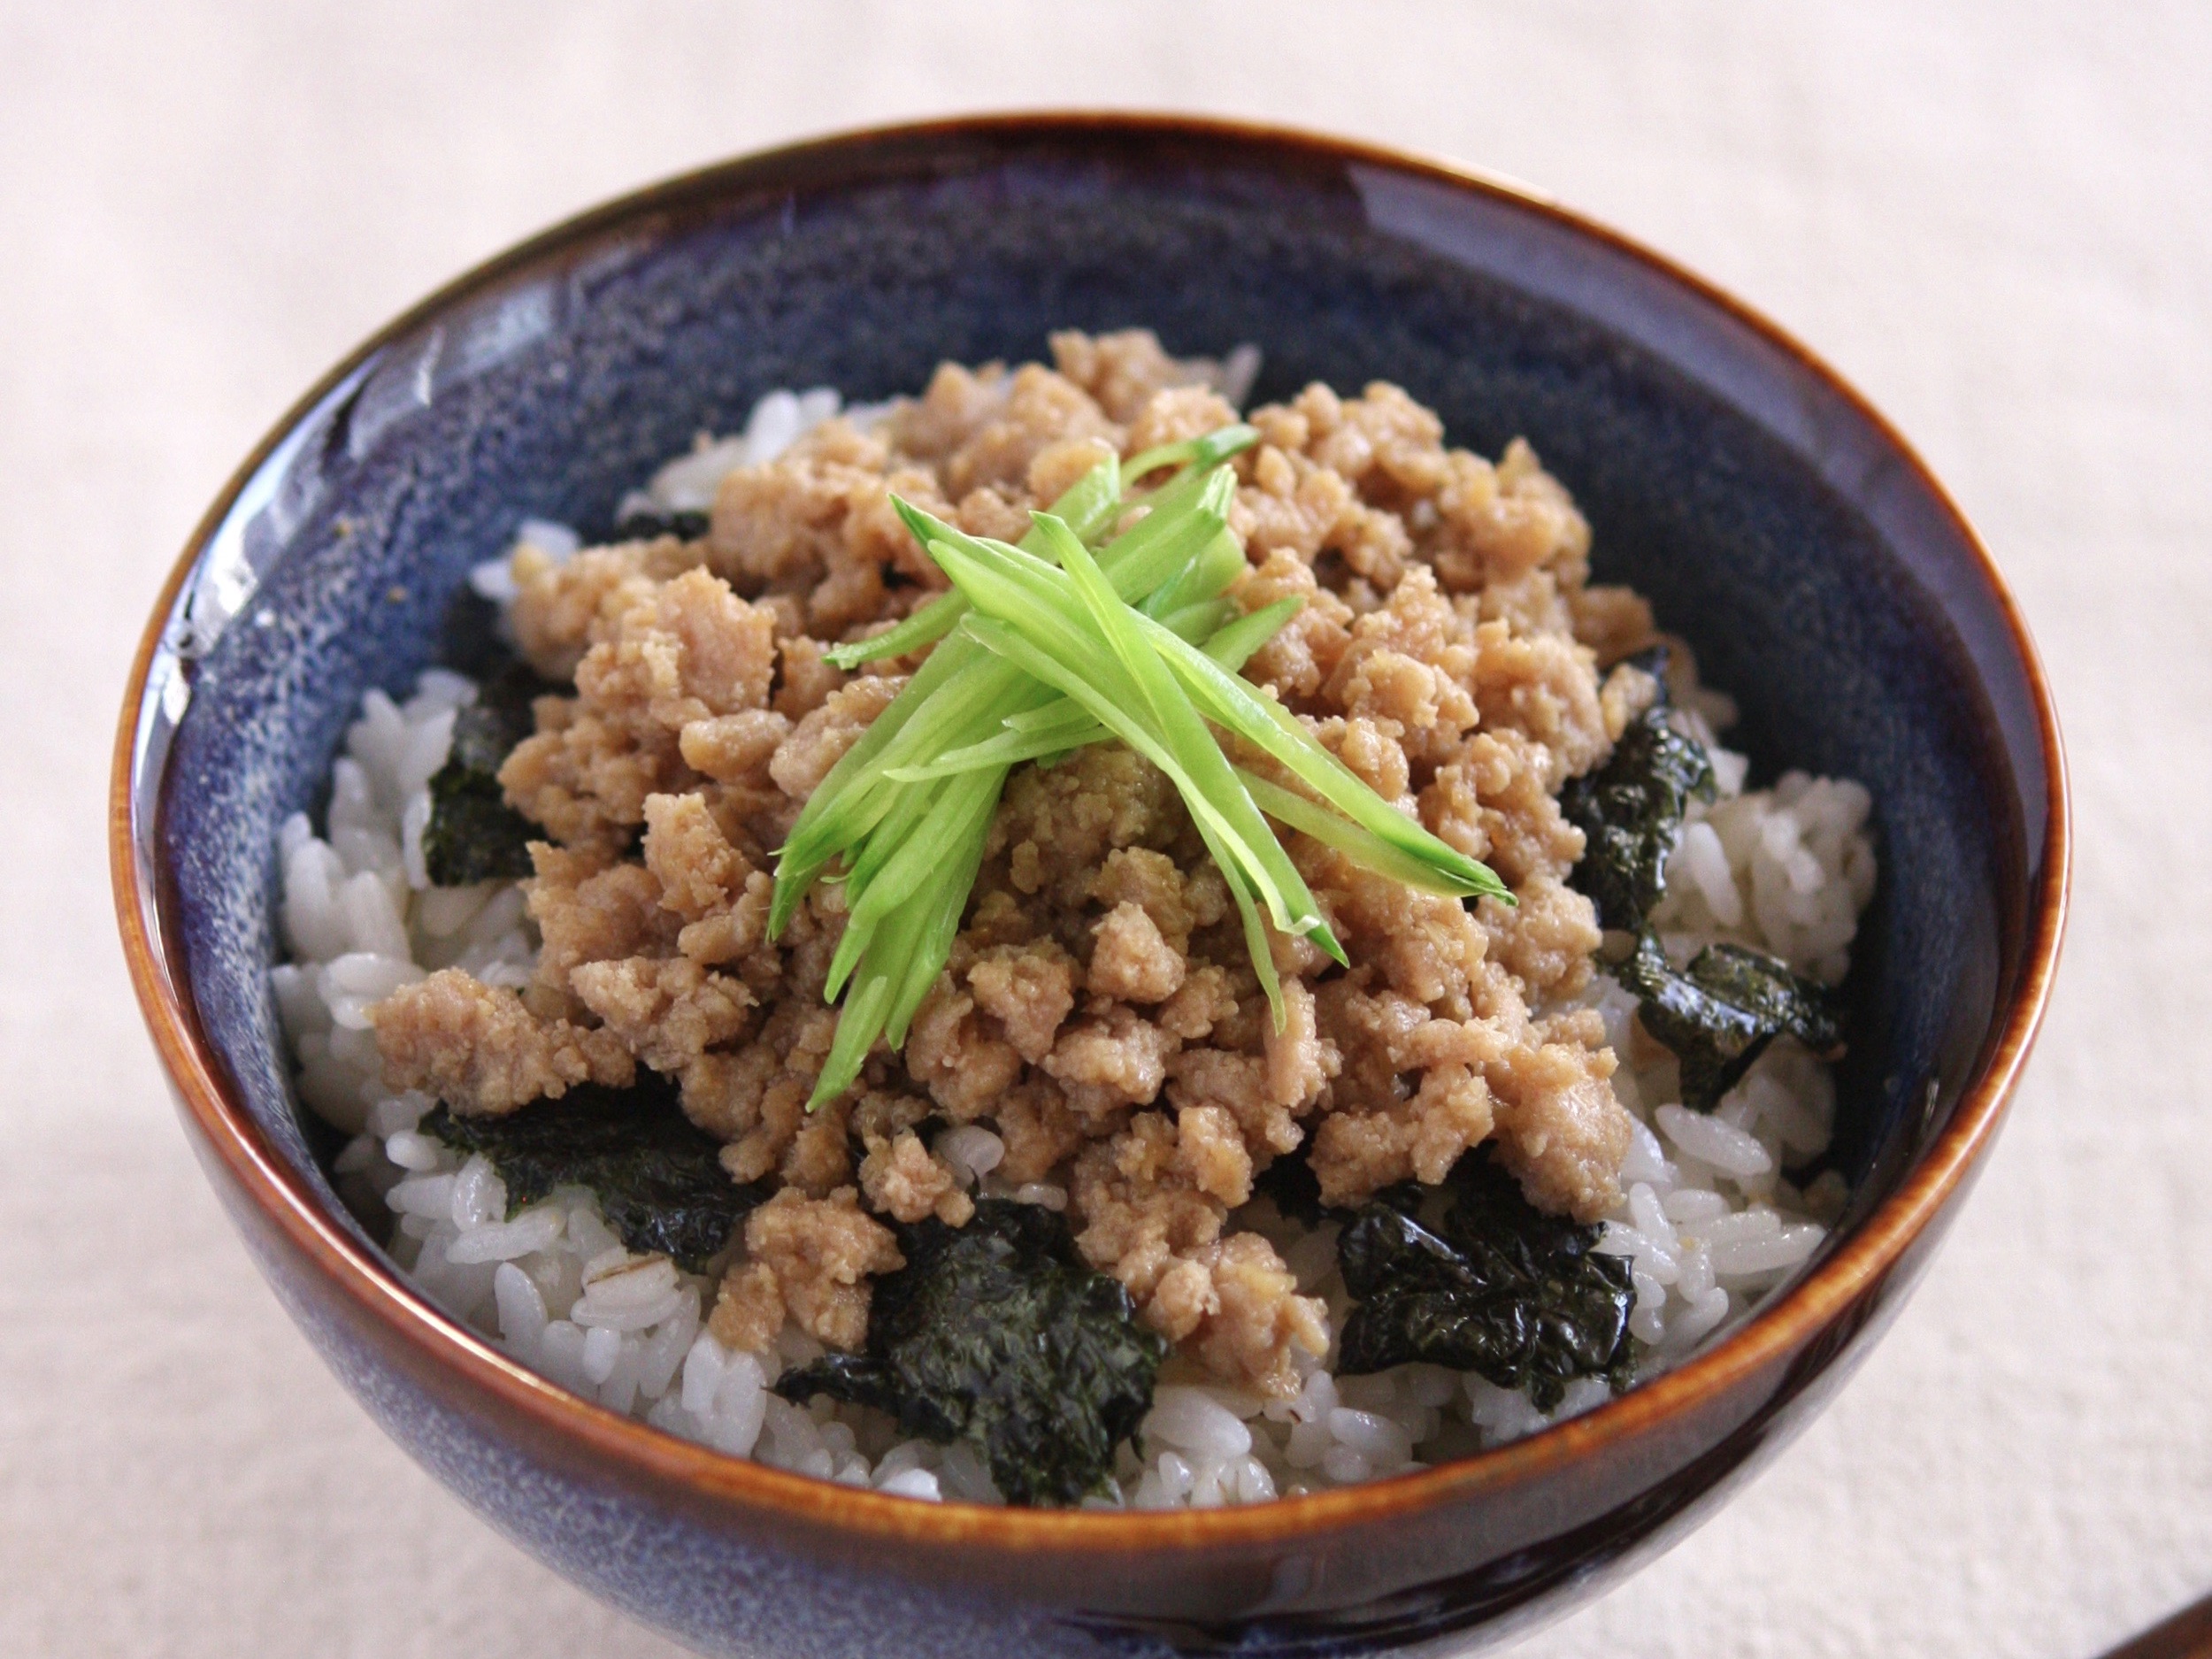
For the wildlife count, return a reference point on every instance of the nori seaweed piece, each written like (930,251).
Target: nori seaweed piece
(645,525)
(1522,1297)
(1296,1192)
(1290,1181)
(474,835)
(658,1177)
(1630,810)
(998,1334)
(469,641)
(1719,1013)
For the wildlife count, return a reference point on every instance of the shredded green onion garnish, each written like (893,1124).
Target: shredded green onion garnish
(1045,647)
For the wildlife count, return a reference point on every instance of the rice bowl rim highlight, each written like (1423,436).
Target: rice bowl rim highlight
(1855,1266)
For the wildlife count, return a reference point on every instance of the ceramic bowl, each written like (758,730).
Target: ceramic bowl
(1822,573)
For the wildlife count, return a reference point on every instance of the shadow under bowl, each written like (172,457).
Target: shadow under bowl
(1772,517)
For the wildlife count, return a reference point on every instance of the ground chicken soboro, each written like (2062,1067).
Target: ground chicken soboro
(1099,1010)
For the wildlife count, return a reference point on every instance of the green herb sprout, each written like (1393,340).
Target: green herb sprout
(1045,647)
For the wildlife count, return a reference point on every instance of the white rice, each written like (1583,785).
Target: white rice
(1711,1224)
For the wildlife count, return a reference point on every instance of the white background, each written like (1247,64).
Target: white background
(1992,215)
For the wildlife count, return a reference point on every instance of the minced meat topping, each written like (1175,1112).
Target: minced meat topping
(1099,1010)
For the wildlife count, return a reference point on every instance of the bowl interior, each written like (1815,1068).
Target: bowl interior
(1769,517)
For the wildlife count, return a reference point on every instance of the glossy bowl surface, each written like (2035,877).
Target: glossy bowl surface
(1822,574)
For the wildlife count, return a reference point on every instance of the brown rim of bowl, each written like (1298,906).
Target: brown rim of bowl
(203,1086)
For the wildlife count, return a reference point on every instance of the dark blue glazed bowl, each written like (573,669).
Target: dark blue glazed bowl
(1823,575)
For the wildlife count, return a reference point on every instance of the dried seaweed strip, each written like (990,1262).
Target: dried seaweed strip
(474,835)
(1503,1289)
(1718,1014)
(658,1177)
(997,1334)
(1630,810)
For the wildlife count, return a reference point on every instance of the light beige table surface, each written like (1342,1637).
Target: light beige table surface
(1993,216)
